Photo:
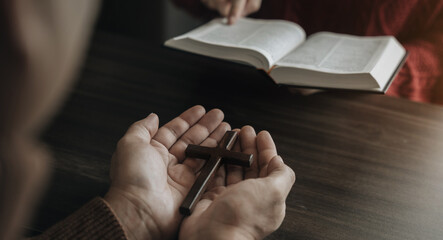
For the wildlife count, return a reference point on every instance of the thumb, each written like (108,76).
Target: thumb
(280,175)
(145,128)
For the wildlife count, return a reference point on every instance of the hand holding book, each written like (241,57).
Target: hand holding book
(233,9)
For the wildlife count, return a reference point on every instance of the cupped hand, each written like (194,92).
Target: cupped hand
(244,203)
(233,9)
(150,175)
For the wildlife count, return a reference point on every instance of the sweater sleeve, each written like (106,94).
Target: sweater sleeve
(95,220)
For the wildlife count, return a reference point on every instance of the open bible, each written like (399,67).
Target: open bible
(323,60)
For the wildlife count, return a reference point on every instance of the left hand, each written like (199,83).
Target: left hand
(150,175)
(243,203)
(233,9)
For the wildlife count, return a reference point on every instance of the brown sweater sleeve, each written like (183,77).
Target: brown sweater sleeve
(95,220)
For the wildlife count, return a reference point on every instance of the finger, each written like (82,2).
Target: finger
(237,8)
(234,173)
(219,179)
(201,207)
(197,133)
(251,7)
(280,176)
(266,151)
(249,146)
(140,131)
(145,128)
(207,200)
(196,163)
(213,193)
(171,131)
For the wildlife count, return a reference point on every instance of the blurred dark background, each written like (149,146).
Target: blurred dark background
(151,20)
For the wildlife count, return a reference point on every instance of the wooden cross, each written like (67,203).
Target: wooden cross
(217,156)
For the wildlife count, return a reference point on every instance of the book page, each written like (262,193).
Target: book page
(336,53)
(272,38)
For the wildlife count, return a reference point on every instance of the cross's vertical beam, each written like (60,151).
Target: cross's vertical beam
(208,171)
(200,185)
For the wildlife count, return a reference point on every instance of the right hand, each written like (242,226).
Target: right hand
(233,9)
(252,205)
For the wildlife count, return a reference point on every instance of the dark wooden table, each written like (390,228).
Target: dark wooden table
(368,166)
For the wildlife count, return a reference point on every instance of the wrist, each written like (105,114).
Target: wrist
(135,220)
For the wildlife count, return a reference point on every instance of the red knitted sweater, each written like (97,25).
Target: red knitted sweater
(417,24)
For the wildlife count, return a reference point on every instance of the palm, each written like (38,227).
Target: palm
(163,183)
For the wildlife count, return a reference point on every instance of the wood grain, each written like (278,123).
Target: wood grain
(368,166)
